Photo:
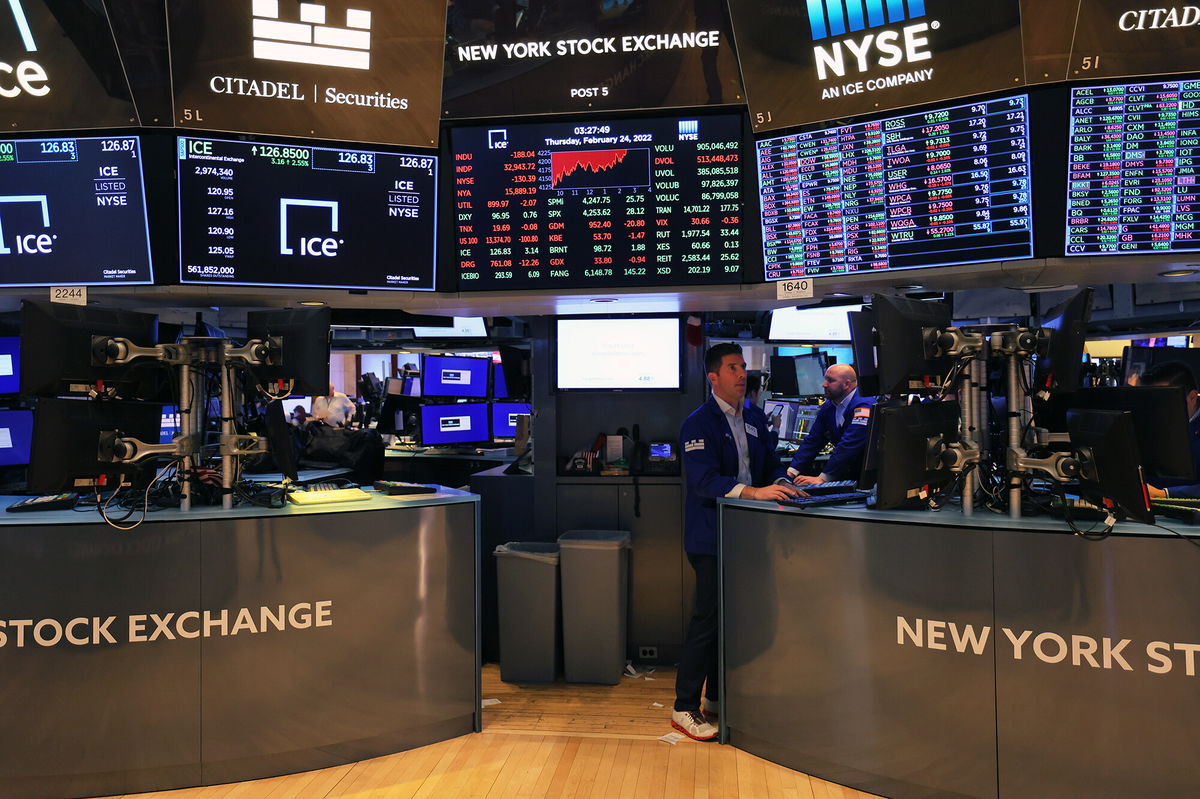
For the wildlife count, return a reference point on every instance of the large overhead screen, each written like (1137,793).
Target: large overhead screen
(73,212)
(59,67)
(631,202)
(278,214)
(366,70)
(946,186)
(1134,174)
(833,59)
(504,59)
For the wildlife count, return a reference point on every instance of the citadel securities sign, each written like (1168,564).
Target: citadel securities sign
(357,70)
(46,80)
(813,60)
(1116,38)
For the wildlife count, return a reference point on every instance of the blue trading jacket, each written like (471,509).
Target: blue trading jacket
(849,442)
(1178,489)
(710,463)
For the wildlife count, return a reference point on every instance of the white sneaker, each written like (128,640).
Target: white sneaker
(693,724)
(709,708)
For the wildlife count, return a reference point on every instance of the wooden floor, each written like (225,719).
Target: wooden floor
(551,741)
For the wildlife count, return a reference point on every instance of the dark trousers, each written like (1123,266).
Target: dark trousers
(698,664)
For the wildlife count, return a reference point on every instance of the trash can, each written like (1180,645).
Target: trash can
(527,585)
(595,601)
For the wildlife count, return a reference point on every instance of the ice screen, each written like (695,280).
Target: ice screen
(634,202)
(504,417)
(451,376)
(16,434)
(465,423)
(1132,182)
(949,186)
(621,354)
(73,212)
(256,213)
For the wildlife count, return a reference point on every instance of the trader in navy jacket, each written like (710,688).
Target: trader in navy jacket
(1180,376)
(727,452)
(843,421)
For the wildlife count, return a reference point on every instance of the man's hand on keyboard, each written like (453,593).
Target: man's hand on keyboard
(804,479)
(772,492)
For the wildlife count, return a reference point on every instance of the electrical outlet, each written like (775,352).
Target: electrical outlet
(647,653)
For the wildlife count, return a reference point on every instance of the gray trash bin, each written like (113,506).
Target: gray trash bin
(527,584)
(595,601)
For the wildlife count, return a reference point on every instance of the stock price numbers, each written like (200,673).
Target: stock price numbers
(640,202)
(949,186)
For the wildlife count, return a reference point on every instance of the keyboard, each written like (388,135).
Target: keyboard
(832,487)
(64,501)
(1176,509)
(396,488)
(321,493)
(825,499)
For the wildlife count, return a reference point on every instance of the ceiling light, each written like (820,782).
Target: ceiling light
(314,303)
(1178,273)
(839,294)
(603,299)
(909,287)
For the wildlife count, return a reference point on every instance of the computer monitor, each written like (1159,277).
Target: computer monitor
(10,364)
(783,381)
(499,384)
(811,324)
(455,376)
(169,426)
(1060,359)
(781,414)
(1160,422)
(907,447)
(454,425)
(398,416)
(66,434)
(304,354)
(637,353)
(280,441)
(905,343)
(504,418)
(810,375)
(56,346)
(16,434)
(863,345)
(370,387)
(1111,474)
(515,368)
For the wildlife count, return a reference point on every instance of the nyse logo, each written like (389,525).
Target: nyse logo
(831,18)
(318,246)
(28,76)
(28,243)
(311,40)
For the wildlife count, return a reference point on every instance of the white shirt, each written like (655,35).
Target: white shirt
(335,411)
(737,426)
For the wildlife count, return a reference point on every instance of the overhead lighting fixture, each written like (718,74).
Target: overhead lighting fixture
(909,287)
(314,303)
(840,294)
(603,299)
(1179,273)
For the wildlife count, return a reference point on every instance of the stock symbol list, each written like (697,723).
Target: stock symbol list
(621,203)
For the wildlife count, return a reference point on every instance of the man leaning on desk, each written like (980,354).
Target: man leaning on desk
(842,421)
(1179,375)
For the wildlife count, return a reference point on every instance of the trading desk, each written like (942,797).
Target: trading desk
(919,654)
(440,466)
(217,646)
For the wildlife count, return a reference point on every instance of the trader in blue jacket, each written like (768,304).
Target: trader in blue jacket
(727,452)
(843,421)
(1179,375)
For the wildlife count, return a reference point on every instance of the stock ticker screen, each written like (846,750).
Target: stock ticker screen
(635,202)
(1135,158)
(272,214)
(947,186)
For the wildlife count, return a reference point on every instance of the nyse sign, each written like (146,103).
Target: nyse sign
(363,70)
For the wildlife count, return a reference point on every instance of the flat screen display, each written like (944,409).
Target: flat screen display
(781,416)
(16,435)
(266,214)
(504,418)
(464,423)
(1133,176)
(454,376)
(633,202)
(948,186)
(811,324)
(810,375)
(10,364)
(618,354)
(169,427)
(73,212)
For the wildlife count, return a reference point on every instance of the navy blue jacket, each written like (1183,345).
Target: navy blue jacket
(710,463)
(1176,488)
(849,442)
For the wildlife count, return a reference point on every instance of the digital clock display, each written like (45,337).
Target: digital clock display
(256,213)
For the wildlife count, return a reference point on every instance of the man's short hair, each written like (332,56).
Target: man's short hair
(1172,373)
(712,358)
